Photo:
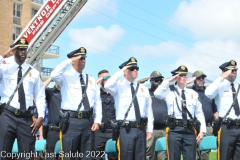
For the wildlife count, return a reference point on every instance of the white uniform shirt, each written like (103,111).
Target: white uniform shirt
(71,89)
(32,84)
(193,105)
(121,91)
(221,91)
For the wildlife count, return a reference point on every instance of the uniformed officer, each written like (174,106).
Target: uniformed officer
(53,98)
(131,143)
(73,83)
(208,106)
(108,115)
(180,100)
(16,119)
(159,108)
(224,90)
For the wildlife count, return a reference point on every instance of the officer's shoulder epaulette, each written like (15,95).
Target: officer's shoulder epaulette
(143,86)
(193,92)
(90,76)
(31,66)
(33,69)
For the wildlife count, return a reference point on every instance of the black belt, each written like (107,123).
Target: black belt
(107,125)
(80,114)
(232,122)
(17,112)
(133,124)
(53,128)
(179,122)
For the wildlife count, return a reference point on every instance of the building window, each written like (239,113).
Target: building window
(17,8)
(16,32)
(34,12)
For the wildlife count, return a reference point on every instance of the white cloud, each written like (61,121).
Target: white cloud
(98,38)
(197,57)
(213,19)
(159,50)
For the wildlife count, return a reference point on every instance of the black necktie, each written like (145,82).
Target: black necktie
(236,105)
(21,93)
(85,100)
(136,106)
(184,109)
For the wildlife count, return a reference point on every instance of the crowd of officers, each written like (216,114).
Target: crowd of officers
(83,117)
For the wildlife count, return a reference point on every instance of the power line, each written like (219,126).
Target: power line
(106,53)
(177,25)
(161,28)
(153,35)
(127,47)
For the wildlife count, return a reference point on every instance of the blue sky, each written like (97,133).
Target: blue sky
(160,34)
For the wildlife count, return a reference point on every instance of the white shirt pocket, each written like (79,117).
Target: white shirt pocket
(74,89)
(28,84)
(227,98)
(10,81)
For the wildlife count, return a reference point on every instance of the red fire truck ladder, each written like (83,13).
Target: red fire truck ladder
(48,24)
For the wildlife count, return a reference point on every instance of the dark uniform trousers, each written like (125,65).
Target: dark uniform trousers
(181,140)
(52,138)
(229,143)
(131,144)
(78,137)
(100,142)
(14,127)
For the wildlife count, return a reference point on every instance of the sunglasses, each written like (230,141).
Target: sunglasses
(201,77)
(233,70)
(157,80)
(106,78)
(182,75)
(83,58)
(133,68)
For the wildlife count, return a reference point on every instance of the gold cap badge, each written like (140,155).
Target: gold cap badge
(82,50)
(133,60)
(183,67)
(233,62)
(157,73)
(23,41)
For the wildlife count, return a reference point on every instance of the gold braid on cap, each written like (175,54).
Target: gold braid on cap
(132,61)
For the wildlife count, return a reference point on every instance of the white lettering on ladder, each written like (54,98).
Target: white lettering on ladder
(41,18)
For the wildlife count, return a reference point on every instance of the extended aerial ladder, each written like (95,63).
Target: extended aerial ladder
(51,19)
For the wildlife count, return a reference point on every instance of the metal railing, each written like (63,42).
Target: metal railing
(53,49)
(38,1)
(45,71)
